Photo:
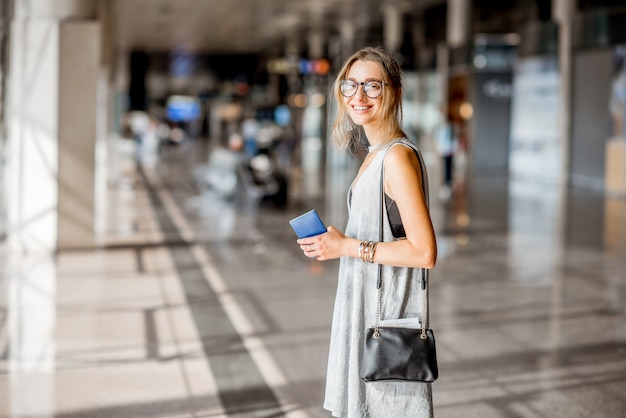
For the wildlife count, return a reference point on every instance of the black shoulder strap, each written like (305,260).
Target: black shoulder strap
(424,271)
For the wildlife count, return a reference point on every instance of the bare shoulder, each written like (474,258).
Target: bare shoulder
(403,176)
(401,156)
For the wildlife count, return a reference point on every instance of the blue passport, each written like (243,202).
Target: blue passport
(308,225)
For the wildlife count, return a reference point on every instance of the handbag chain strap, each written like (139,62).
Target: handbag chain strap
(424,278)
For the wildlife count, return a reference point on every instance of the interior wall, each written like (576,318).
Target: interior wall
(491,97)
(590,120)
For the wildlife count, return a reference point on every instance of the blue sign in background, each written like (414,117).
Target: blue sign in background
(183,110)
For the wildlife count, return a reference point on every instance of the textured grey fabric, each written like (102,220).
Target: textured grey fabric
(355,310)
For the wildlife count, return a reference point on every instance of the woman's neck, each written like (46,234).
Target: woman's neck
(377,138)
(374,135)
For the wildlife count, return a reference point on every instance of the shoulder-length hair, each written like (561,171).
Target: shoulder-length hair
(344,132)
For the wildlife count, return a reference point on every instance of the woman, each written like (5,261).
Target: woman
(368,91)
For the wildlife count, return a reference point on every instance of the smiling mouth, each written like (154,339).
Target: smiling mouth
(361,107)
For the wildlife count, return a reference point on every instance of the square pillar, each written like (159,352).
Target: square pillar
(32,146)
(79,79)
(52,117)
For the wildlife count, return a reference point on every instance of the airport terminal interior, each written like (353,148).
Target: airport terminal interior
(153,152)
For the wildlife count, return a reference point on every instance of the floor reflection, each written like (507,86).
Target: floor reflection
(528,302)
(536,231)
(31,327)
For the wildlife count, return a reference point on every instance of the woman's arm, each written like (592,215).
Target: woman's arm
(403,183)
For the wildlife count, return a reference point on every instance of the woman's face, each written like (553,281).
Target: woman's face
(364,110)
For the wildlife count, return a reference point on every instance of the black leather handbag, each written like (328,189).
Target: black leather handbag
(398,353)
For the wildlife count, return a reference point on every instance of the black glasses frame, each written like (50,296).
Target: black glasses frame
(358,84)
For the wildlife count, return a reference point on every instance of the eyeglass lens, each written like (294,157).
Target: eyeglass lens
(372,89)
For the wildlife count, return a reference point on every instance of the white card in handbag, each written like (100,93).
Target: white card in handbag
(401,322)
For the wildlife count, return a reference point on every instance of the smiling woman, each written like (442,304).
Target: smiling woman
(368,91)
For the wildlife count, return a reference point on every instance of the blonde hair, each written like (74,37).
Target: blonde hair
(344,132)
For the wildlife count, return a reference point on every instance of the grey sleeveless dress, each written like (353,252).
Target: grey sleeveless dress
(355,309)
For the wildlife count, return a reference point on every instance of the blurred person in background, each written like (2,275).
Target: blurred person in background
(446,141)
(617,105)
(139,123)
(368,91)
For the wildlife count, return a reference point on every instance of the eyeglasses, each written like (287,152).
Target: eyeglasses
(372,89)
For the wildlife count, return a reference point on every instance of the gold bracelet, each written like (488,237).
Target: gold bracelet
(361,249)
(370,247)
(372,251)
(366,250)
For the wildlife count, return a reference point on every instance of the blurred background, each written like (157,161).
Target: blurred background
(152,152)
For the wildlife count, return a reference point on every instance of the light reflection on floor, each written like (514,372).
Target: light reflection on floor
(528,304)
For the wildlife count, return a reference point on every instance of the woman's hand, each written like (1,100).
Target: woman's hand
(326,246)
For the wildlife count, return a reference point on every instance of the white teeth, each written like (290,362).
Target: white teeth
(360,107)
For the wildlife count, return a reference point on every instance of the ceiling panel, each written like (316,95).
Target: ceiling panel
(240,26)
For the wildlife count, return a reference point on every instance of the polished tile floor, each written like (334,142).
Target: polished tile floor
(197,306)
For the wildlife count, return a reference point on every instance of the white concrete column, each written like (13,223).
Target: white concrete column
(443,72)
(79,79)
(346,35)
(563,11)
(315,41)
(458,31)
(392,26)
(459,19)
(32,146)
(43,166)
(419,40)
(51,113)
(105,116)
